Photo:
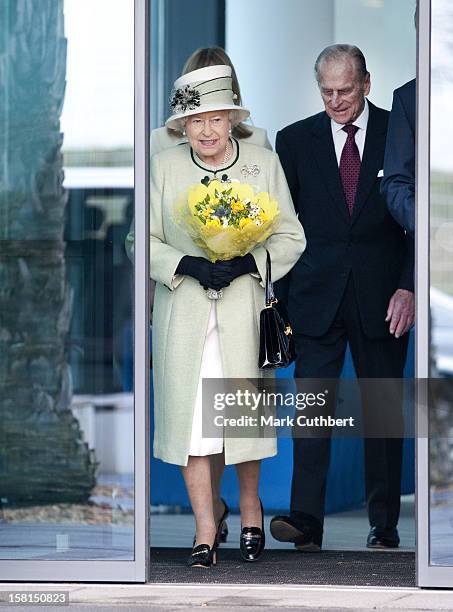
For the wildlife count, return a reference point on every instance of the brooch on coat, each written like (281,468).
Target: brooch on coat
(250,170)
(223,179)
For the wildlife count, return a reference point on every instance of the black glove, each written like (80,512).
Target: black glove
(227,271)
(202,270)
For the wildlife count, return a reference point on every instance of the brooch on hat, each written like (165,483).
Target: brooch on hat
(185,98)
(250,170)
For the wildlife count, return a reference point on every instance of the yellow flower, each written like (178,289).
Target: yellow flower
(214,201)
(237,206)
(244,222)
(207,211)
(213,222)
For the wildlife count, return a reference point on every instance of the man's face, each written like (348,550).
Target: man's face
(342,90)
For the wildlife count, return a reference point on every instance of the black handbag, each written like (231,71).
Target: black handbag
(276,341)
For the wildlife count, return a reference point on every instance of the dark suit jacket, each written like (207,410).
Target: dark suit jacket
(398,184)
(370,244)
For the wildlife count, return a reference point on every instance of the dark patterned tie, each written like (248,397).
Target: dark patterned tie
(350,166)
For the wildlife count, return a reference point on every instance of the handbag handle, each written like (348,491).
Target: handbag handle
(269,287)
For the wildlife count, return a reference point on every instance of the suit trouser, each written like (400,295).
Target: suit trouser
(323,357)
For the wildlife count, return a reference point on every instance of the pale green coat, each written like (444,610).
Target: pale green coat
(181,307)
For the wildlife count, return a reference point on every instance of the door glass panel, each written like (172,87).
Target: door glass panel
(66,204)
(441,293)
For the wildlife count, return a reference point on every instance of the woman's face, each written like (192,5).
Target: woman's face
(208,135)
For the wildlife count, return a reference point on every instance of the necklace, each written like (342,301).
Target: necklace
(214,169)
(228,151)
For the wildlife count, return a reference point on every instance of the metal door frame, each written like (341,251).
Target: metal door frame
(427,575)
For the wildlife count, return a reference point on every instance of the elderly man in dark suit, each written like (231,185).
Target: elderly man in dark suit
(398,184)
(352,285)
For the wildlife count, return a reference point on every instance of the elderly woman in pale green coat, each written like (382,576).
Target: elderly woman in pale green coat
(163,138)
(190,331)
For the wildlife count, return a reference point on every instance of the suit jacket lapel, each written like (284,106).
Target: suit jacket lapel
(324,152)
(371,160)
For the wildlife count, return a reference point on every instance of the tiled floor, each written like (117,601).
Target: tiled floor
(441,525)
(343,531)
(66,541)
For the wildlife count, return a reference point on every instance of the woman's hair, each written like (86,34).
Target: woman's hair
(215,56)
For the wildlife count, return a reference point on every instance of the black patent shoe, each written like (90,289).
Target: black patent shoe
(203,556)
(252,541)
(383,538)
(223,532)
(222,527)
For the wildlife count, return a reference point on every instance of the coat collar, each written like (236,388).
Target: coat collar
(324,152)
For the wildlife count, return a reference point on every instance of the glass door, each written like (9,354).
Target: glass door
(435,296)
(278,85)
(73,383)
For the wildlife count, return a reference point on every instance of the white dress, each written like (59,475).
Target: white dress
(211,367)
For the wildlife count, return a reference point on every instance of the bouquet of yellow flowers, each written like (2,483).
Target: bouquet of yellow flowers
(227,218)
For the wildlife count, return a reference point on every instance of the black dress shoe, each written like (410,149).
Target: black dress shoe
(252,541)
(203,555)
(222,527)
(383,538)
(223,533)
(305,537)
(222,530)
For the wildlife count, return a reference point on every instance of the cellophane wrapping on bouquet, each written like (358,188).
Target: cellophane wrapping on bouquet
(227,218)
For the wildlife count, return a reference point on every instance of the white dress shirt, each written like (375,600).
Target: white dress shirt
(340,136)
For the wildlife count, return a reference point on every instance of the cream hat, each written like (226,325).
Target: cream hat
(201,91)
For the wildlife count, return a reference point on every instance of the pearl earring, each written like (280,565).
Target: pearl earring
(229,131)
(184,132)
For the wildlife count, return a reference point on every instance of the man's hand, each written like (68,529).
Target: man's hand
(401,312)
